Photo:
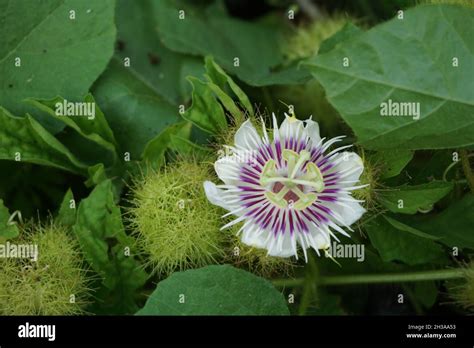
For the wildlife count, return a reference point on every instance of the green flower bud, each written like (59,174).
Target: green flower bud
(463,294)
(55,284)
(176,227)
(305,40)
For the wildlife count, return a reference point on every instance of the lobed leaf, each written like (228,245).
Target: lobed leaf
(406,60)
(103,241)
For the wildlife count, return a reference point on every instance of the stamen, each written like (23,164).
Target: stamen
(304,156)
(278,198)
(313,175)
(268,172)
(305,199)
(291,158)
(311,178)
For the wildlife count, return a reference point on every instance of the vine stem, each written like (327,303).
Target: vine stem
(377,278)
(466,166)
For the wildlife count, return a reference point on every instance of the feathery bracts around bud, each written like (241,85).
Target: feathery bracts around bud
(288,189)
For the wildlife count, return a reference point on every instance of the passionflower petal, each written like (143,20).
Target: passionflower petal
(287,189)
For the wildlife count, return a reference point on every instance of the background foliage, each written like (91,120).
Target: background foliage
(181,92)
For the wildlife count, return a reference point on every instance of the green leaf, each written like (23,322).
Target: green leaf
(409,60)
(25,137)
(205,112)
(119,174)
(257,44)
(412,199)
(396,245)
(291,74)
(96,129)
(392,161)
(226,101)
(402,227)
(184,146)
(7,231)
(349,31)
(135,111)
(223,81)
(174,138)
(157,66)
(97,175)
(103,241)
(88,133)
(209,98)
(67,212)
(215,290)
(154,153)
(453,225)
(59,55)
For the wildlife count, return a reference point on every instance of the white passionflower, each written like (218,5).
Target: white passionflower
(288,189)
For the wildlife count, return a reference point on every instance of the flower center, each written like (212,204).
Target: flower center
(289,196)
(290,189)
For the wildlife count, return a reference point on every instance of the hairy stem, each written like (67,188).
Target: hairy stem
(376,278)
